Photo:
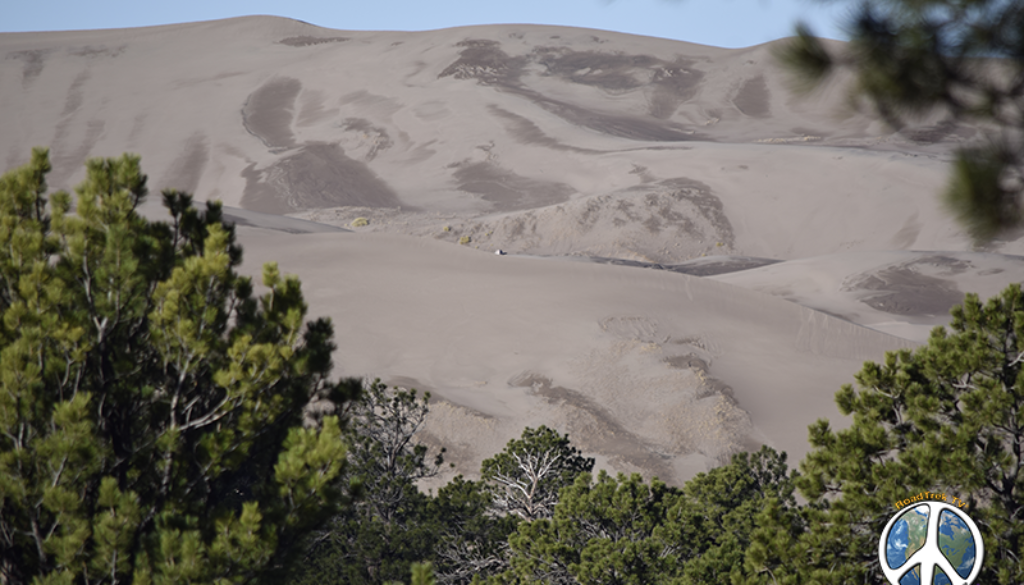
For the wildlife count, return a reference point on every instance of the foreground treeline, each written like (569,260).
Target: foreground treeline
(537,514)
(161,421)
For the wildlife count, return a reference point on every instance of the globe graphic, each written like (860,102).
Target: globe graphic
(910,532)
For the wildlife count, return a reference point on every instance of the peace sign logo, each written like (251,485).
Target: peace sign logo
(932,543)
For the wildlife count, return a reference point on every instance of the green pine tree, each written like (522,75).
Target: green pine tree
(151,406)
(621,530)
(726,501)
(472,535)
(391,525)
(613,530)
(525,478)
(947,418)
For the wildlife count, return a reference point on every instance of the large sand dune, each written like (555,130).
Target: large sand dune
(698,258)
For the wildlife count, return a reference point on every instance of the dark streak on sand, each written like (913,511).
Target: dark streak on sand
(671,83)
(507,190)
(663,198)
(73,100)
(308,41)
(316,175)
(97,51)
(674,84)
(291,225)
(186,170)
(313,175)
(32,64)
(595,429)
(696,268)
(379,135)
(753,99)
(312,108)
(902,290)
(525,131)
(709,386)
(268,112)
(620,126)
(66,159)
(613,72)
(484,61)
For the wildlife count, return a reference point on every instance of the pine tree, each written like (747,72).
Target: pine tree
(151,406)
(725,503)
(612,530)
(391,525)
(472,536)
(626,531)
(525,478)
(947,418)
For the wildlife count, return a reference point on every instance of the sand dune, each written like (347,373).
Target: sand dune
(653,371)
(898,292)
(698,258)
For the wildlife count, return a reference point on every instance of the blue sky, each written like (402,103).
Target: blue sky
(723,23)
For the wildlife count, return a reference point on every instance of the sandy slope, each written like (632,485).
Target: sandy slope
(654,371)
(897,292)
(670,165)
